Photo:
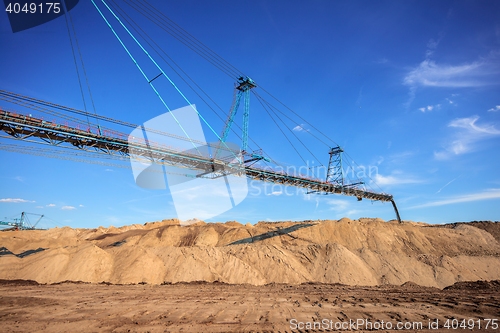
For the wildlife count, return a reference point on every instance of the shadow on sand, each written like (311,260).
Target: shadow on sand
(274,233)
(5,252)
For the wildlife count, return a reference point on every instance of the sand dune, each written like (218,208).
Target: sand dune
(364,252)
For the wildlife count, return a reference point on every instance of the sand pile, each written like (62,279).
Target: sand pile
(361,252)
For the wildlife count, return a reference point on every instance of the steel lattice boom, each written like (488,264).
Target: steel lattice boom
(23,127)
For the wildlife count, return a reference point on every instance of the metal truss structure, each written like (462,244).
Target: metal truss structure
(24,127)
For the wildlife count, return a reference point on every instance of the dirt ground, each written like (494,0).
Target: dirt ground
(363,252)
(219,307)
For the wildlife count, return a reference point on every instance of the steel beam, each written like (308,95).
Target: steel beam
(21,127)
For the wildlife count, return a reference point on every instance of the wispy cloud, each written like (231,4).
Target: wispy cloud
(470,125)
(68,207)
(341,207)
(429,108)
(468,134)
(448,101)
(430,74)
(432,46)
(448,183)
(489,194)
(381,61)
(51,205)
(113,219)
(494,109)
(338,204)
(482,71)
(300,128)
(276,193)
(12,200)
(401,156)
(396,178)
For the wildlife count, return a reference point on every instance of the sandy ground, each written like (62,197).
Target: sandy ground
(311,276)
(364,252)
(218,307)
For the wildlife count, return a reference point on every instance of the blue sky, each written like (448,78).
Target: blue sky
(410,89)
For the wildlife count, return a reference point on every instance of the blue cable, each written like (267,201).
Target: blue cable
(140,69)
(161,70)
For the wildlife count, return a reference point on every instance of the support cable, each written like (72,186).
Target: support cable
(183,36)
(83,64)
(139,67)
(30,102)
(308,123)
(291,131)
(373,181)
(293,121)
(159,51)
(199,44)
(76,66)
(164,74)
(149,41)
(169,26)
(272,118)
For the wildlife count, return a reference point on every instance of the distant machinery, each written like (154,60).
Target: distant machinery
(22,223)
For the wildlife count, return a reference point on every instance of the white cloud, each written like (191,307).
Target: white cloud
(341,207)
(469,133)
(113,219)
(494,109)
(432,44)
(430,74)
(338,204)
(429,108)
(470,125)
(51,205)
(448,183)
(400,157)
(12,200)
(276,193)
(396,178)
(81,206)
(300,128)
(479,196)
(382,61)
(68,207)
